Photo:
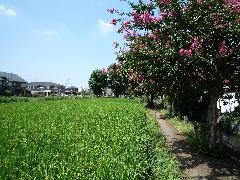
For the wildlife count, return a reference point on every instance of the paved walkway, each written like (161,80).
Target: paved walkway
(192,164)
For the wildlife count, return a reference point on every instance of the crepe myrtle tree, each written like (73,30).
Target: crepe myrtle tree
(143,75)
(98,81)
(197,41)
(116,80)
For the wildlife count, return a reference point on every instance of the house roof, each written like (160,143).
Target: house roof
(44,84)
(12,77)
(72,87)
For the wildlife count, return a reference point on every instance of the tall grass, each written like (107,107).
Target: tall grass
(197,137)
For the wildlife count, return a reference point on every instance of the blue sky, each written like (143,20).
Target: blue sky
(61,41)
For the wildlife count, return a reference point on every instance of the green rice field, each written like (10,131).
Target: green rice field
(82,139)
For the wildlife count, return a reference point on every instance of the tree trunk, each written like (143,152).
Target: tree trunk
(212,117)
(172,108)
(150,102)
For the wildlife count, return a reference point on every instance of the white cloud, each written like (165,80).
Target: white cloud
(50,33)
(104,27)
(7,11)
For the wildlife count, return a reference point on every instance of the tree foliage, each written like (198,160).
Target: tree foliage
(187,50)
(98,81)
(116,81)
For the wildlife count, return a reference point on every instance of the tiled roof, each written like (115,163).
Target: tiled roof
(12,77)
(43,84)
(72,87)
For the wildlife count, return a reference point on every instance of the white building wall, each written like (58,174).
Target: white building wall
(228,105)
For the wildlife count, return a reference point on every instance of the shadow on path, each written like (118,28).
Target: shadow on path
(194,165)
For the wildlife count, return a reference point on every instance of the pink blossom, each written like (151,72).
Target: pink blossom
(131,71)
(103,71)
(223,49)
(136,18)
(185,52)
(234,4)
(118,66)
(189,53)
(126,24)
(172,13)
(196,44)
(165,2)
(113,21)
(127,35)
(163,15)
(145,18)
(225,81)
(182,53)
(154,36)
(199,1)
(196,39)
(136,34)
(131,77)
(115,45)
(140,78)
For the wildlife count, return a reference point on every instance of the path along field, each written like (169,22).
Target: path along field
(82,139)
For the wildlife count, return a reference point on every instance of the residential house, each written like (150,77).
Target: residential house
(1,81)
(71,90)
(12,84)
(46,88)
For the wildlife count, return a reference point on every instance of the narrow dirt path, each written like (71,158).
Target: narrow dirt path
(192,164)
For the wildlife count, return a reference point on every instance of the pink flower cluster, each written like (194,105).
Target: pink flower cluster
(126,24)
(131,75)
(196,44)
(154,36)
(224,49)
(103,71)
(200,1)
(140,78)
(194,47)
(128,34)
(185,52)
(113,22)
(145,18)
(225,81)
(234,4)
(165,2)
(115,67)
(133,34)
(115,45)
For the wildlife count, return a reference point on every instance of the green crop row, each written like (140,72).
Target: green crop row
(82,139)
(11,99)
